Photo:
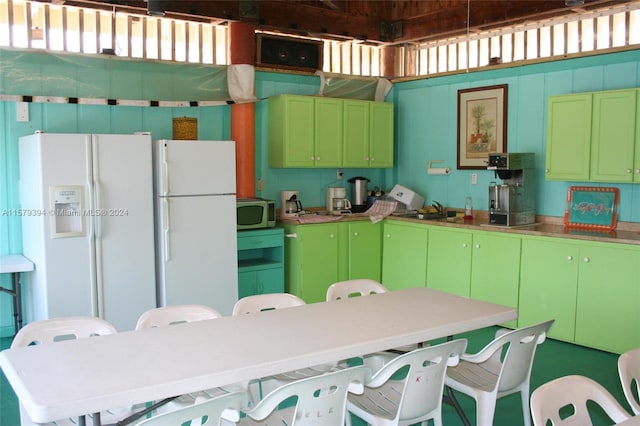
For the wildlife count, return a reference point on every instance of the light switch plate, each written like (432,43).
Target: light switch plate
(22,111)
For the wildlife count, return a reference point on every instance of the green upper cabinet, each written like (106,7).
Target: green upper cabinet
(613,134)
(593,137)
(294,138)
(328,136)
(317,132)
(404,255)
(368,134)
(568,137)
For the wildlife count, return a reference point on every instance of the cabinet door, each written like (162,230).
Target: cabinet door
(607,315)
(355,140)
(404,255)
(548,286)
(365,250)
(291,131)
(246,283)
(381,134)
(613,134)
(328,132)
(449,261)
(495,269)
(318,260)
(568,137)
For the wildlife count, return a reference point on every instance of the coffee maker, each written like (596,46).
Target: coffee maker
(337,202)
(512,203)
(290,205)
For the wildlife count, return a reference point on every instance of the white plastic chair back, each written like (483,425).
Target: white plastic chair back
(209,412)
(415,398)
(518,359)
(501,368)
(573,391)
(57,329)
(629,370)
(266,302)
(354,288)
(168,315)
(320,400)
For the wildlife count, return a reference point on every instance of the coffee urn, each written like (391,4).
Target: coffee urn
(359,194)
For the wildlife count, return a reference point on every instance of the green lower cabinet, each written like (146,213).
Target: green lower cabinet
(607,311)
(548,285)
(321,254)
(449,261)
(495,269)
(260,261)
(311,260)
(365,250)
(404,255)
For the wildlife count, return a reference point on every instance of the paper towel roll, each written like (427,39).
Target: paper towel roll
(439,171)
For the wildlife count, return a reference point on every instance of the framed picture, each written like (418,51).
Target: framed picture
(482,125)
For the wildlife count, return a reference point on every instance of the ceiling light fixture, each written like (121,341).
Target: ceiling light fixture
(572,3)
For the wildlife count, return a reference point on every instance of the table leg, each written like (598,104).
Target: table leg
(17,301)
(450,399)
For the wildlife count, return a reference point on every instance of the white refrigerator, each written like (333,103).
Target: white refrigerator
(87,225)
(196,253)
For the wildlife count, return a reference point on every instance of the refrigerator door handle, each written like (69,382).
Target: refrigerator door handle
(165,166)
(92,234)
(97,213)
(167,230)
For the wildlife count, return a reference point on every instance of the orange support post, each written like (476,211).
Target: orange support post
(243,117)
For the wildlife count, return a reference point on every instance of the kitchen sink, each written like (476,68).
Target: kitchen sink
(421,216)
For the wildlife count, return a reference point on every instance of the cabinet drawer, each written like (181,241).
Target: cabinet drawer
(259,241)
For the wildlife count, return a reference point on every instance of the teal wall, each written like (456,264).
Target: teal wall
(426,119)
(427,127)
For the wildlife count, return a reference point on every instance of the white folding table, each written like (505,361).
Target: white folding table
(72,378)
(14,264)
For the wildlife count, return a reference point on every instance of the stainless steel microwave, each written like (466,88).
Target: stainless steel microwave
(255,213)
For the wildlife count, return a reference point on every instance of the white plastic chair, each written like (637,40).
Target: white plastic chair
(629,371)
(365,287)
(572,391)
(414,398)
(221,410)
(179,314)
(501,368)
(266,302)
(50,331)
(319,400)
(169,315)
(269,302)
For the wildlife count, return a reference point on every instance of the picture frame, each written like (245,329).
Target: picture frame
(482,125)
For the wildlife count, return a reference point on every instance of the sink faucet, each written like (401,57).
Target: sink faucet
(438,207)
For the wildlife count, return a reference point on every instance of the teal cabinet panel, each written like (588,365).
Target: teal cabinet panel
(548,285)
(404,255)
(449,261)
(260,261)
(608,313)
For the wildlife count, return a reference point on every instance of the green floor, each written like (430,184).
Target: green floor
(553,359)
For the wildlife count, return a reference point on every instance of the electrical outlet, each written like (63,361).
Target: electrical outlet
(260,185)
(339,174)
(474,178)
